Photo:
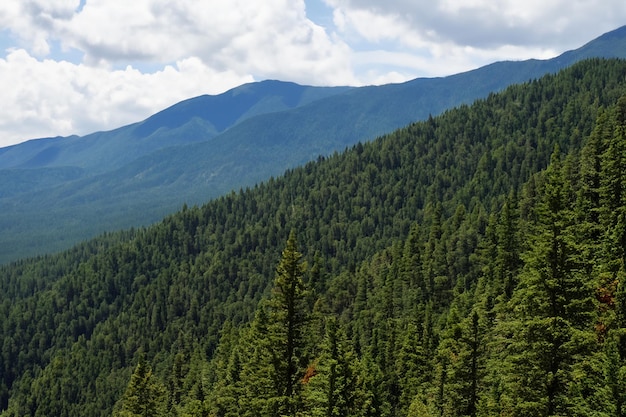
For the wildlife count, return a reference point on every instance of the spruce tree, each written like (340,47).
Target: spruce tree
(255,390)
(288,316)
(612,290)
(144,396)
(507,260)
(332,386)
(553,316)
(276,348)
(413,366)
(460,365)
(227,367)
(414,284)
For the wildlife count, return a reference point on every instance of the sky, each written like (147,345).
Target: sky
(80,66)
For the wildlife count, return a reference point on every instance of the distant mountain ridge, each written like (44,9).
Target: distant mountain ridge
(417,242)
(193,120)
(57,191)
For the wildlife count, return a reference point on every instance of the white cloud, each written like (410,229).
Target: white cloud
(125,59)
(191,47)
(269,38)
(45,97)
(450,36)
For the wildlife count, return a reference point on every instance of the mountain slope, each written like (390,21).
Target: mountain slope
(193,120)
(76,323)
(207,146)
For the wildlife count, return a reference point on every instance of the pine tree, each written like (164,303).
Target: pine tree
(507,260)
(414,285)
(288,318)
(144,396)
(554,310)
(613,160)
(276,351)
(413,367)
(227,394)
(434,259)
(616,371)
(612,288)
(603,208)
(460,365)
(332,386)
(255,390)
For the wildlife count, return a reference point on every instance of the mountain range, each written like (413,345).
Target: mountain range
(455,267)
(55,192)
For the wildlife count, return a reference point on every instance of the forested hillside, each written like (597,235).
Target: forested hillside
(467,265)
(57,192)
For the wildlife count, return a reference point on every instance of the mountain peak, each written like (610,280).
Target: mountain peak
(235,105)
(206,146)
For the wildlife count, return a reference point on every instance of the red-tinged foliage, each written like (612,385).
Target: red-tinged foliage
(606,295)
(311,371)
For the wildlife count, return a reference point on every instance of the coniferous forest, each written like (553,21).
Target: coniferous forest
(469,265)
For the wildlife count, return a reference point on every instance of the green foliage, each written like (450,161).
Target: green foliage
(554,313)
(56,192)
(458,267)
(280,339)
(144,396)
(289,316)
(332,384)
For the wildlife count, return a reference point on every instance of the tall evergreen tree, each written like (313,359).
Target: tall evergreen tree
(508,261)
(276,348)
(460,365)
(288,316)
(255,389)
(227,393)
(413,366)
(332,386)
(612,291)
(145,394)
(554,310)
(414,284)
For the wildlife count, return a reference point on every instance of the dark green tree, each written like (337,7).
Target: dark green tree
(553,316)
(413,366)
(332,385)
(603,214)
(144,396)
(465,371)
(226,368)
(276,351)
(508,259)
(415,287)
(612,289)
(254,391)
(616,371)
(288,317)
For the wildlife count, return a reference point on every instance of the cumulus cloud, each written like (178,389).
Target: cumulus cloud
(463,34)
(46,97)
(269,38)
(191,48)
(485,23)
(77,66)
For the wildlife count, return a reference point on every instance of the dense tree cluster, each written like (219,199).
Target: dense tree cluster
(468,265)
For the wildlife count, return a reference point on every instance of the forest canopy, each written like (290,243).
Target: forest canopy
(468,265)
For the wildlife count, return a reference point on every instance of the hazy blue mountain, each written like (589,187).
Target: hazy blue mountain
(194,120)
(57,191)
